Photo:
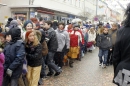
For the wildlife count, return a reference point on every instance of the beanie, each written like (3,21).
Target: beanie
(26,23)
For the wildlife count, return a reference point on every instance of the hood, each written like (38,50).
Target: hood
(15,33)
(13,24)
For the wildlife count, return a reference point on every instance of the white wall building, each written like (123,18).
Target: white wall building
(51,9)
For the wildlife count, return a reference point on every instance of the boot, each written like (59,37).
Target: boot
(71,64)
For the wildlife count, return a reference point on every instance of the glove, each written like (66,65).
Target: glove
(9,72)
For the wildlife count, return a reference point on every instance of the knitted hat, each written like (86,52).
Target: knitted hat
(26,23)
(27,34)
(3,34)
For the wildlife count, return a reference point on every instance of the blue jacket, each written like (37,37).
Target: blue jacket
(14,57)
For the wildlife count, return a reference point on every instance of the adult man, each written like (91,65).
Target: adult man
(112,32)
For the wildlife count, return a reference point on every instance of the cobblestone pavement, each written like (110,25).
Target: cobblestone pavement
(84,73)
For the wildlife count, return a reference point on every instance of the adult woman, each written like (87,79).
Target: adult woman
(121,57)
(75,39)
(34,57)
(91,39)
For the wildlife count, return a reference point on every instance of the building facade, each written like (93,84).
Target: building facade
(61,10)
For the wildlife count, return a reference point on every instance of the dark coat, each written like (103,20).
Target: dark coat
(51,39)
(14,57)
(104,41)
(121,57)
(34,55)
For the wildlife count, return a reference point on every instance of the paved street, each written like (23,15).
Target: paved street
(85,73)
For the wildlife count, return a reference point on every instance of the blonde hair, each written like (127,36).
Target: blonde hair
(92,30)
(36,41)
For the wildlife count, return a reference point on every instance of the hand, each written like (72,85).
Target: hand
(110,49)
(67,50)
(9,72)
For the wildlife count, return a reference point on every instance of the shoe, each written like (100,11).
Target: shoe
(57,73)
(104,66)
(40,82)
(100,64)
(50,73)
(107,64)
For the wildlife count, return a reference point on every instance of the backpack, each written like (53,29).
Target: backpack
(41,38)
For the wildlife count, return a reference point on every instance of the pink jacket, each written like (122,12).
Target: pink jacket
(2,60)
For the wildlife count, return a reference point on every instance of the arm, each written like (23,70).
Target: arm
(67,41)
(99,40)
(116,53)
(20,54)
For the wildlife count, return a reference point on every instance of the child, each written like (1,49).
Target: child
(34,57)
(14,55)
(1,66)
(104,44)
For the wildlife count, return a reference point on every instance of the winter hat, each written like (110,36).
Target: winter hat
(10,19)
(27,34)
(15,33)
(13,23)
(26,23)
(76,25)
(3,34)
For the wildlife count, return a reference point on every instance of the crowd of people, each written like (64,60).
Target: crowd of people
(27,48)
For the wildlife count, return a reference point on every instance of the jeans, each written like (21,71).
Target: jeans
(50,62)
(58,58)
(43,74)
(110,55)
(7,80)
(101,54)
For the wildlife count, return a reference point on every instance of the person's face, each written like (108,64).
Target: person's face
(8,38)
(76,28)
(29,27)
(61,27)
(31,37)
(105,31)
(46,26)
(114,27)
(2,39)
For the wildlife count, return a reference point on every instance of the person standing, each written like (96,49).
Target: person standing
(91,39)
(14,56)
(75,39)
(121,55)
(104,43)
(112,32)
(52,42)
(63,44)
(34,57)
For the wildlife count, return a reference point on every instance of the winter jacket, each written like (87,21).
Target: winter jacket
(121,56)
(41,37)
(113,36)
(91,37)
(34,55)
(63,39)
(14,57)
(104,41)
(2,60)
(51,39)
